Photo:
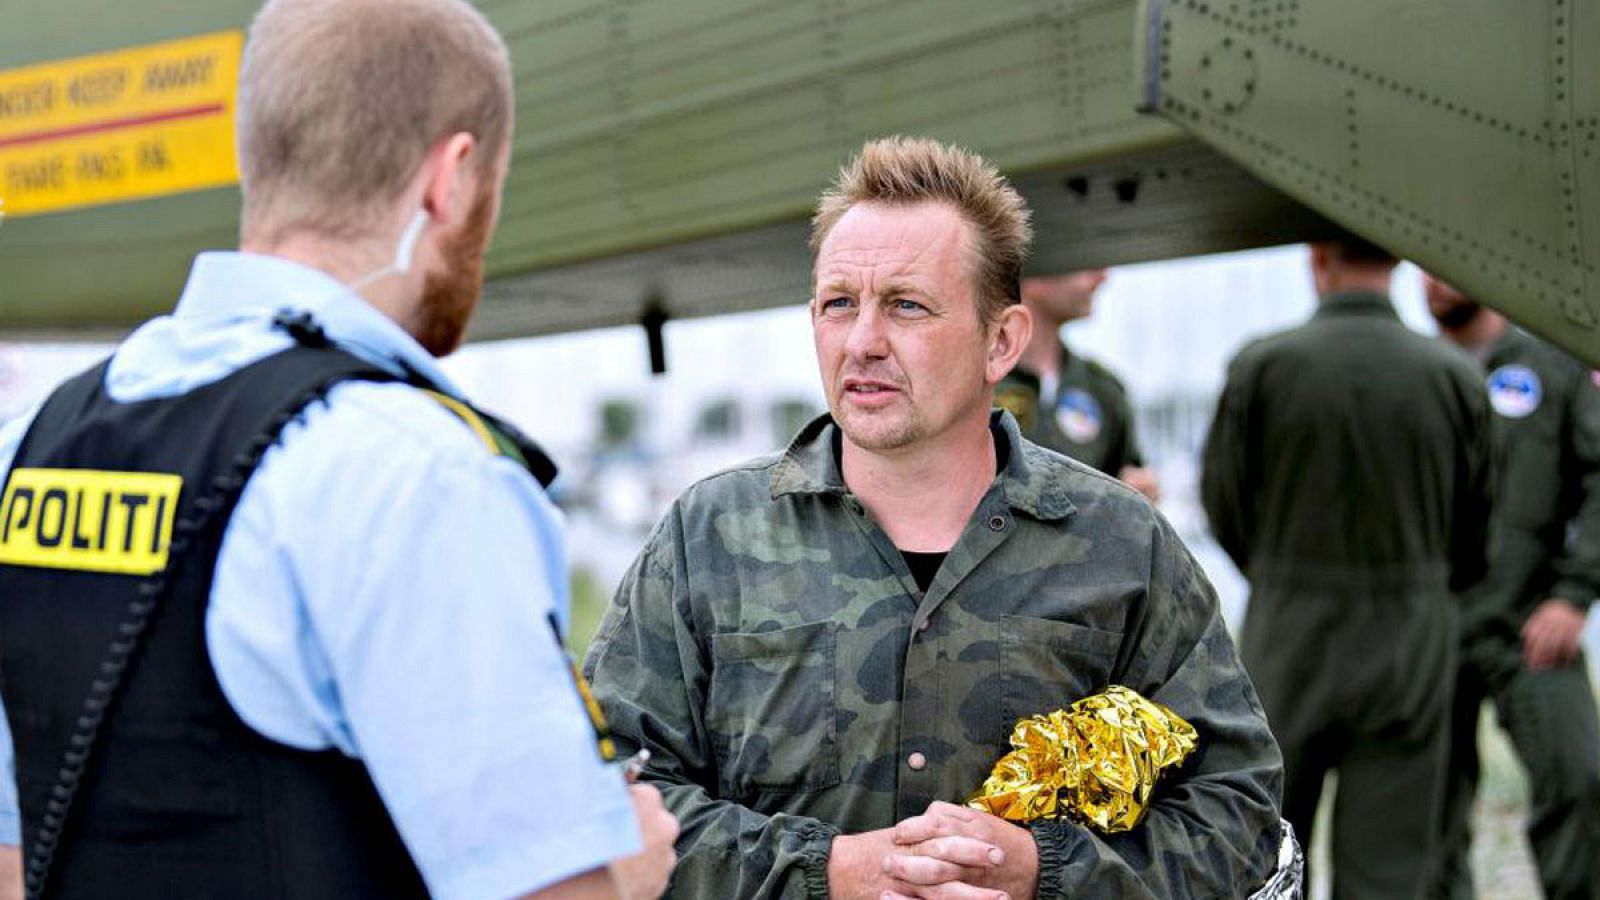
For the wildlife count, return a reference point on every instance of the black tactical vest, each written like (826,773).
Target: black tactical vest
(136,777)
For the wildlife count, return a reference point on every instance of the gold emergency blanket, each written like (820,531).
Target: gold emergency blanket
(1096,761)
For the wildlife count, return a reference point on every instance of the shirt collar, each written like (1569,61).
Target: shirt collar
(237,286)
(1509,344)
(1356,303)
(1030,479)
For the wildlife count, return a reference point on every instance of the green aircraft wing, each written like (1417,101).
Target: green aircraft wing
(668,151)
(1462,135)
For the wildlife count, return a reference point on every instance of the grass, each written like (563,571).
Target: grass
(589,600)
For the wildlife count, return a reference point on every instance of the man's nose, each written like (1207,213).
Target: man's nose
(869,335)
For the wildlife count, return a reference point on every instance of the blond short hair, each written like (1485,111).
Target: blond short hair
(901,171)
(341,100)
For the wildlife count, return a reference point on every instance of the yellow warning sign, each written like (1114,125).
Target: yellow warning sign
(88,520)
(125,125)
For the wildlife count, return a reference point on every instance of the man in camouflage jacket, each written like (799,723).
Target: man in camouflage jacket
(826,649)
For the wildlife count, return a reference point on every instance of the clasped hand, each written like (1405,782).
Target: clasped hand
(954,853)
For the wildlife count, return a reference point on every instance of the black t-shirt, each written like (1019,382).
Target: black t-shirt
(923,567)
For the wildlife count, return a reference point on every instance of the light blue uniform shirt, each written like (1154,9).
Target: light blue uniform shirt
(383,588)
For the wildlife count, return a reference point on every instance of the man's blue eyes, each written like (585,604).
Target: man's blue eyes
(901,305)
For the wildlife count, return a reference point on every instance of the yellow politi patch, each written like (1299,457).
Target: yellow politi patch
(87,520)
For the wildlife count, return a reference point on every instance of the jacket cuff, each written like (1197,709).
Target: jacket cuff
(816,844)
(1053,840)
(1577,593)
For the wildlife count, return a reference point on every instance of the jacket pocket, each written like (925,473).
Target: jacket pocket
(1046,665)
(770,710)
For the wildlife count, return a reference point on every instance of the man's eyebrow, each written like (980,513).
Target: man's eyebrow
(841,282)
(903,286)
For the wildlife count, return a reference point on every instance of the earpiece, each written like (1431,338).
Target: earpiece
(403,250)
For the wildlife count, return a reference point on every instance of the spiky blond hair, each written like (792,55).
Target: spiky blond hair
(902,171)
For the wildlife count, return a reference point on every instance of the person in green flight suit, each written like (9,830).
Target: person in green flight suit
(1066,401)
(1347,475)
(1520,627)
(826,649)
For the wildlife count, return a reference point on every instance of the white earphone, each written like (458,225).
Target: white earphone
(403,250)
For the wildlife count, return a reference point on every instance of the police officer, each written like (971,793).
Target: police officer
(1521,626)
(1066,401)
(1346,473)
(279,606)
(827,649)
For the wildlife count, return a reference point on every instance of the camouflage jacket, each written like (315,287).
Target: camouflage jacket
(771,649)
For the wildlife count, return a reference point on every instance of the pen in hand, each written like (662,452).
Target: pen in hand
(633,765)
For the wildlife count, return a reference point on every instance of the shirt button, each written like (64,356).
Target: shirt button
(997,523)
(924,624)
(917,761)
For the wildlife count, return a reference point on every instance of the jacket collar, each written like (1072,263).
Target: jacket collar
(1030,479)
(1356,303)
(231,287)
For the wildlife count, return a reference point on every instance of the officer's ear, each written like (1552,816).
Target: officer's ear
(450,179)
(1008,337)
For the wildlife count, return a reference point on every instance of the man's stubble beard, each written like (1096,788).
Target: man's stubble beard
(879,440)
(450,296)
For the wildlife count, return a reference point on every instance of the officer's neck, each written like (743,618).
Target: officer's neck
(1353,279)
(396,295)
(1479,334)
(1042,356)
(922,496)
